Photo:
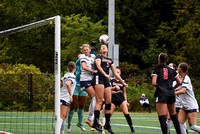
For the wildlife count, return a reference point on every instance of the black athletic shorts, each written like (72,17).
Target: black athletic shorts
(166,99)
(64,103)
(99,79)
(117,103)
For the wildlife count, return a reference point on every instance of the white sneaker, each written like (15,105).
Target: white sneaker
(81,126)
(69,128)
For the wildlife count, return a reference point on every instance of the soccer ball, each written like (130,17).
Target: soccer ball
(104,39)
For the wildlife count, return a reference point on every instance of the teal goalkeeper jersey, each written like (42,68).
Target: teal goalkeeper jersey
(78,72)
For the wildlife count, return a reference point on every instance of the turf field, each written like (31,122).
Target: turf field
(42,123)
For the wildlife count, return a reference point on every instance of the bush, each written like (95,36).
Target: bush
(24,87)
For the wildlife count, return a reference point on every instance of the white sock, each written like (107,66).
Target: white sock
(91,118)
(185,126)
(195,128)
(91,108)
(60,123)
(183,130)
(104,120)
(169,123)
(63,127)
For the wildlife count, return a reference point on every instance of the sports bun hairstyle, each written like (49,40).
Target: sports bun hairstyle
(71,65)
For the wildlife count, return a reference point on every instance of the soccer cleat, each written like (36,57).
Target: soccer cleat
(68,128)
(132,130)
(88,122)
(97,127)
(81,127)
(108,127)
(103,132)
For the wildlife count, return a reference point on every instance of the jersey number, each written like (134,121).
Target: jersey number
(165,71)
(107,64)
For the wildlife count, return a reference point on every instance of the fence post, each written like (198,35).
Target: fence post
(30,91)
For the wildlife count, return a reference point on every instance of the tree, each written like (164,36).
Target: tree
(76,31)
(182,35)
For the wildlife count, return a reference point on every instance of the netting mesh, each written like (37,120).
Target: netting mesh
(27,107)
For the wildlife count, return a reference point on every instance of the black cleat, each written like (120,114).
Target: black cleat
(132,130)
(97,127)
(108,127)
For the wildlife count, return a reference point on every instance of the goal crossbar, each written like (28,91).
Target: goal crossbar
(57,59)
(27,26)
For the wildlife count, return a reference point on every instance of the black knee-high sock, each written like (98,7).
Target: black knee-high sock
(96,116)
(176,123)
(128,119)
(163,124)
(107,119)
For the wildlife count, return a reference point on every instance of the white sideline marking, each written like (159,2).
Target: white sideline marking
(145,127)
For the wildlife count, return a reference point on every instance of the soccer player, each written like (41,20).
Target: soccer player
(87,64)
(103,87)
(163,77)
(68,83)
(189,103)
(119,98)
(80,97)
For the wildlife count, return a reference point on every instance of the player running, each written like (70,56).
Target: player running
(119,99)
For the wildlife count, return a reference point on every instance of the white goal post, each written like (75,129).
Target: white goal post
(57,59)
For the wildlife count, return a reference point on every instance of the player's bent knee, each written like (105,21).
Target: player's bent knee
(107,106)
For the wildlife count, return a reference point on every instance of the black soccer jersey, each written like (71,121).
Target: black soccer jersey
(165,78)
(118,96)
(105,63)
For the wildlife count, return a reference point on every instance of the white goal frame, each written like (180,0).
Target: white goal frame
(57,59)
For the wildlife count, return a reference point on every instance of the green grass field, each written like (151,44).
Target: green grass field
(42,123)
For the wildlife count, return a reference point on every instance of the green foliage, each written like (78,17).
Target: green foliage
(150,55)
(129,69)
(76,31)
(20,85)
(181,36)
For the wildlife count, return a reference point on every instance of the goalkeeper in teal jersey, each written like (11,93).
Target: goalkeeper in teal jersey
(80,97)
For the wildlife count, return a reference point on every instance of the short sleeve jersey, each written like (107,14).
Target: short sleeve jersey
(165,77)
(86,75)
(188,99)
(64,94)
(106,63)
(118,96)
(78,72)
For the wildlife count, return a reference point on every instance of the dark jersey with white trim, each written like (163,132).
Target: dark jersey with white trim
(165,77)
(118,96)
(106,63)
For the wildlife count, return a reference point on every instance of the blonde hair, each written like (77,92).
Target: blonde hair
(85,45)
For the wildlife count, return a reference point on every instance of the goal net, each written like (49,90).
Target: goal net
(29,103)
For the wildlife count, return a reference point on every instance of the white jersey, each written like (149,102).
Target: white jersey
(188,100)
(178,99)
(86,75)
(64,94)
